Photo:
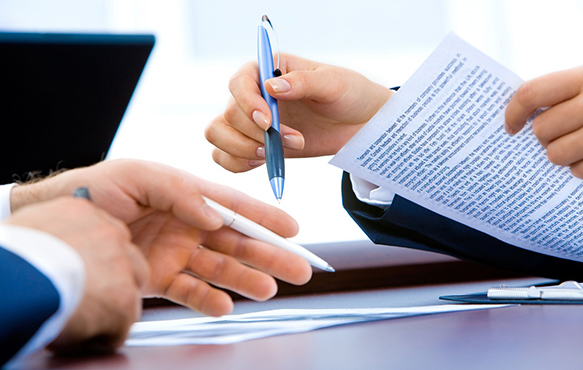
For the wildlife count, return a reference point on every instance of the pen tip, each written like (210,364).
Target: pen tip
(277,187)
(329,268)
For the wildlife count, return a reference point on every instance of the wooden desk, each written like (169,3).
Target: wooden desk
(517,337)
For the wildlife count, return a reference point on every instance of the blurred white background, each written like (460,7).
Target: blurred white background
(200,44)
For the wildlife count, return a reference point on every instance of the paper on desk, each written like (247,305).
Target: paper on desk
(237,328)
(440,142)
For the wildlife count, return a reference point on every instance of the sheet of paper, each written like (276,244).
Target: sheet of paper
(238,328)
(440,142)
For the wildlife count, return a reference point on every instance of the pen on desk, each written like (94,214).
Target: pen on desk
(256,231)
(274,157)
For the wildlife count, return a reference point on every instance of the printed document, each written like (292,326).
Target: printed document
(440,142)
(237,328)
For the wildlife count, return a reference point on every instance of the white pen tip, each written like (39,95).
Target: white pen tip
(329,268)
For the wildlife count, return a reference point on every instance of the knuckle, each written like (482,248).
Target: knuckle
(229,162)
(556,155)
(539,130)
(526,93)
(299,79)
(231,111)
(216,155)
(577,171)
(115,231)
(234,82)
(129,307)
(210,130)
(219,269)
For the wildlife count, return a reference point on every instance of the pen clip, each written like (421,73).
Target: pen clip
(271,30)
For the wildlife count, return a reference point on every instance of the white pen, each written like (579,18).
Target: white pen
(251,229)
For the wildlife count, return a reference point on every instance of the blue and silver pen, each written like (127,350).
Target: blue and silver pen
(274,158)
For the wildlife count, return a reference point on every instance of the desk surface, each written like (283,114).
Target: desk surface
(526,337)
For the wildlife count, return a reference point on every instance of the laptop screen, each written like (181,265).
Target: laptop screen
(63,97)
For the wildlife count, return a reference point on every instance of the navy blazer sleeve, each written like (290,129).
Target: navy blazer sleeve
(407,224)
(28,299)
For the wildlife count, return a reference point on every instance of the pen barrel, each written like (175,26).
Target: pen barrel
(274,154)
(274,157)
(266,69)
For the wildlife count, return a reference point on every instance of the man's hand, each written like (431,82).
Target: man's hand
(189,251)
(116,272)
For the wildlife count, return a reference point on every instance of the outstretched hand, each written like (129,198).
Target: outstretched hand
(190,253)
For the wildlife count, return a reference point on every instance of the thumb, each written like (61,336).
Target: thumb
(320,85)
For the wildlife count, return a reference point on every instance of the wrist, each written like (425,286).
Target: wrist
(25,194)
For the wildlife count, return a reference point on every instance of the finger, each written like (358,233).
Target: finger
(236,118)
(558,121)
(226,272)
(140,267)
(322,85)
(543,91)
(272,260)
(233,141)
(244,87)
(567,149)
(198,295)
(239,144)
(577,169)
(163,188)
(234,164)
(264,214)
(293,142)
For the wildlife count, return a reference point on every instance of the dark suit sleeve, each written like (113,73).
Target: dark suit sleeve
(407,224)
(28,299)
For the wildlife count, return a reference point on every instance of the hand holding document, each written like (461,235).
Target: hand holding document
(440,142)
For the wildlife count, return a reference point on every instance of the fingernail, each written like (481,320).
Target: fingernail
(260,152)
(508,129)
(261,119)
(279,85)
(255,163)
(293,141)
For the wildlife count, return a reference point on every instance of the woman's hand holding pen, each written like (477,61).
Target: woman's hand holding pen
(320,106)
(188,249)
(560,127)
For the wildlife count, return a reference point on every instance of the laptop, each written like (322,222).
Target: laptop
(63,97)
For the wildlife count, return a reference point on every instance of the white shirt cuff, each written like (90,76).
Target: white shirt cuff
(5,200)
(60,264)
(370,193)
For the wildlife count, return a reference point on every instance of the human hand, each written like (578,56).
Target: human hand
(559,128)
(184,240)
(320,108)
(116,272)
